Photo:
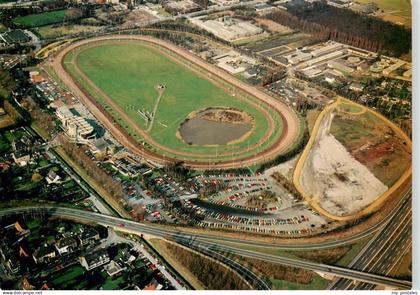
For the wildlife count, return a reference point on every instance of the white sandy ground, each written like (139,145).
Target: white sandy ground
(333,176)
(285,168)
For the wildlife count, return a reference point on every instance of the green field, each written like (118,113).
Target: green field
(128,73)
(397,11)
(317,283)
(390,5)
(2,28)
(351,108)
(41,19)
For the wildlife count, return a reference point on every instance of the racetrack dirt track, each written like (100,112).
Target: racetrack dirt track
(290,132)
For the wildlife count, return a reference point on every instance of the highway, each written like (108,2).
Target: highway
(383,251)
(150,229)
(253,279)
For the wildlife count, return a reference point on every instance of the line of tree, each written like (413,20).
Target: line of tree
(44,120)
(212,275)
(203,3)
(346,26)
(286,156)
(287,184)
(276,271)
(7,84)
(78,154)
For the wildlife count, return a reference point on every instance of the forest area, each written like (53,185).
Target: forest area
(343,25)
(212,275)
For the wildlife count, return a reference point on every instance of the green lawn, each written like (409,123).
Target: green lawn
(317,283)
(354,251)
(2,27)
(351,108)
(69,275)
(41,19)
(128,73)
(390,5)
(112,283)
(33,224)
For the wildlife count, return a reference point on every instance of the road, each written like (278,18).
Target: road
(383,251)
(212,237)
(150,229)
(253,279)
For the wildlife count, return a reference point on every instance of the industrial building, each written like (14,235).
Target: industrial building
(14,37)
(325,57)
(233,62)
(184,6)
(393,67)
(331,47)
(295,57)
(340,67)
(227,28)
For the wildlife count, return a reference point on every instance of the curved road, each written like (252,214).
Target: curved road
(140,228)
(158,230)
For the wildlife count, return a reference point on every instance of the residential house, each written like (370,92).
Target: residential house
(65,245)
(44,253)
(88,236)
(95,259)
(114,268)
(52,177)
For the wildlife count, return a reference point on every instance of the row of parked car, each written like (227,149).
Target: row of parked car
(224,217)
(262,230)
(201,182)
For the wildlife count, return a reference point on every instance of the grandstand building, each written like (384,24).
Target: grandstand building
(76,127)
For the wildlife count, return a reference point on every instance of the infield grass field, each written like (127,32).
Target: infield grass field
(128,73)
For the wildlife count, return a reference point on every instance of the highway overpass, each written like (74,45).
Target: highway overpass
(213,243)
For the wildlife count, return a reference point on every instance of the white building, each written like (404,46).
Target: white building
(76,127)
(228,28)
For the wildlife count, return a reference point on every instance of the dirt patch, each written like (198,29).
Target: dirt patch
(226,116)
(331,174)
(272,26)
(263,200)
(374,144)
(136,17)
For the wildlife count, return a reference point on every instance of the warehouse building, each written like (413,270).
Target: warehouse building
(227,28)
(14,37)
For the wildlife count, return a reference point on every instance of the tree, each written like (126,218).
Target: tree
(36,177)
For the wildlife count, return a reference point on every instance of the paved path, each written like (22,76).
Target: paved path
(160,92)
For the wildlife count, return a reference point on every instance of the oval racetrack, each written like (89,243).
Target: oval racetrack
(290,120)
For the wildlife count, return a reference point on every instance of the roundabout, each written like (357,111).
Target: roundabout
(168,105)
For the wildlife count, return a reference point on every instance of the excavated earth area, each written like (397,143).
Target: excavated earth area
(333,176)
